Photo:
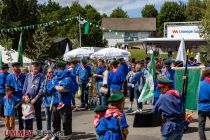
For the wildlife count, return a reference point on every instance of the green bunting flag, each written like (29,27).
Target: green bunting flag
(20,51)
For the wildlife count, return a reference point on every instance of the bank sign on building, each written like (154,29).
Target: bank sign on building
(183,31)
(128,29)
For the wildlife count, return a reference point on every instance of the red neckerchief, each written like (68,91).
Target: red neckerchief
(173,92)
(17,74)
(1,71)
(113,112)
(207,79)
(97,118)
(7,97)
(114,70)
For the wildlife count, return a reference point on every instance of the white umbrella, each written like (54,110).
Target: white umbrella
(181,55)
(110,53)
(78,53)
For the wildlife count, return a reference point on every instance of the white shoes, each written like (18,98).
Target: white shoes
(138,111)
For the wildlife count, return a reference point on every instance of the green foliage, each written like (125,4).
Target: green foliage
(149,11)
(118,13)
(205,28)
(170,12)
(41,45)
(195,10)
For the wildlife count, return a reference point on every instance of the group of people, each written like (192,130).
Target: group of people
(55,85)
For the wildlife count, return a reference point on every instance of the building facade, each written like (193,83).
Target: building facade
(121,30)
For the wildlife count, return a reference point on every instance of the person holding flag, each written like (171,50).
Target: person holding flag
(170,105)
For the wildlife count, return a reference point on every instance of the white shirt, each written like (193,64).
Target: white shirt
(26,109)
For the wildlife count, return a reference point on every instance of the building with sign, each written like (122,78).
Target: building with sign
(127,29)
(173,33)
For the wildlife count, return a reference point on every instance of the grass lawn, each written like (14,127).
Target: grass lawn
(140,54)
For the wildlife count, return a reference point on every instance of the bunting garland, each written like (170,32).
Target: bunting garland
(47,24)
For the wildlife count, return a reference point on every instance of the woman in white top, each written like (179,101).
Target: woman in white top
(105,85)
(28,113)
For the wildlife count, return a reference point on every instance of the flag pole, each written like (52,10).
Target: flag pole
(80,36)
(185,77)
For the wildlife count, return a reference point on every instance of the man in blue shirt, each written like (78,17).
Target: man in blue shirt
(32,87)
(170,105)
(123,67)
(99,81)
(3,78)
(115,79)
(204,103)
(61,86)
(84,74)
(16,80)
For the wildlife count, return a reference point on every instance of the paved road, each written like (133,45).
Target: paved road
(83,128)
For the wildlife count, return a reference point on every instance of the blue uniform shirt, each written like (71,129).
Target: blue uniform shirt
(115,80)
(124,69)
(84,74)
(61,79)
(9,105)
(17,83)
(3,78)
(136,79)
(204,96)
(47,94)
(172,109)
(32,84)
(100,71)
(109,127)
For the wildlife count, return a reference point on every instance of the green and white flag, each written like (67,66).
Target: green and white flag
(147,92)
(20,51)
(86,25)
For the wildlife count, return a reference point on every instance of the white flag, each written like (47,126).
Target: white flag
(82,21)
(181,55)
(198,57)
(67,50)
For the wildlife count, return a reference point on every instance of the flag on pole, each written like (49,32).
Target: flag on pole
(86,25)
(147,92)
(181,55)
(20,51)
(67,50)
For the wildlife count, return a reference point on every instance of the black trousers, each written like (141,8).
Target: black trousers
(202,115)
(38,114)
(64,114)
(2,106)
(28,124)
(20,120)
(84,95)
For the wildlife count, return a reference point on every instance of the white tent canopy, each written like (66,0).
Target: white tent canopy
(78,53)
(110,53)
(14,56)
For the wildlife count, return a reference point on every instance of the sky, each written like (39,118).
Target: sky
(132,7)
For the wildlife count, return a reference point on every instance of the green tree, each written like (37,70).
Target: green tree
(119,13)
(195,10)
(41,45)
(205,27)
(149,11)
(169,12)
